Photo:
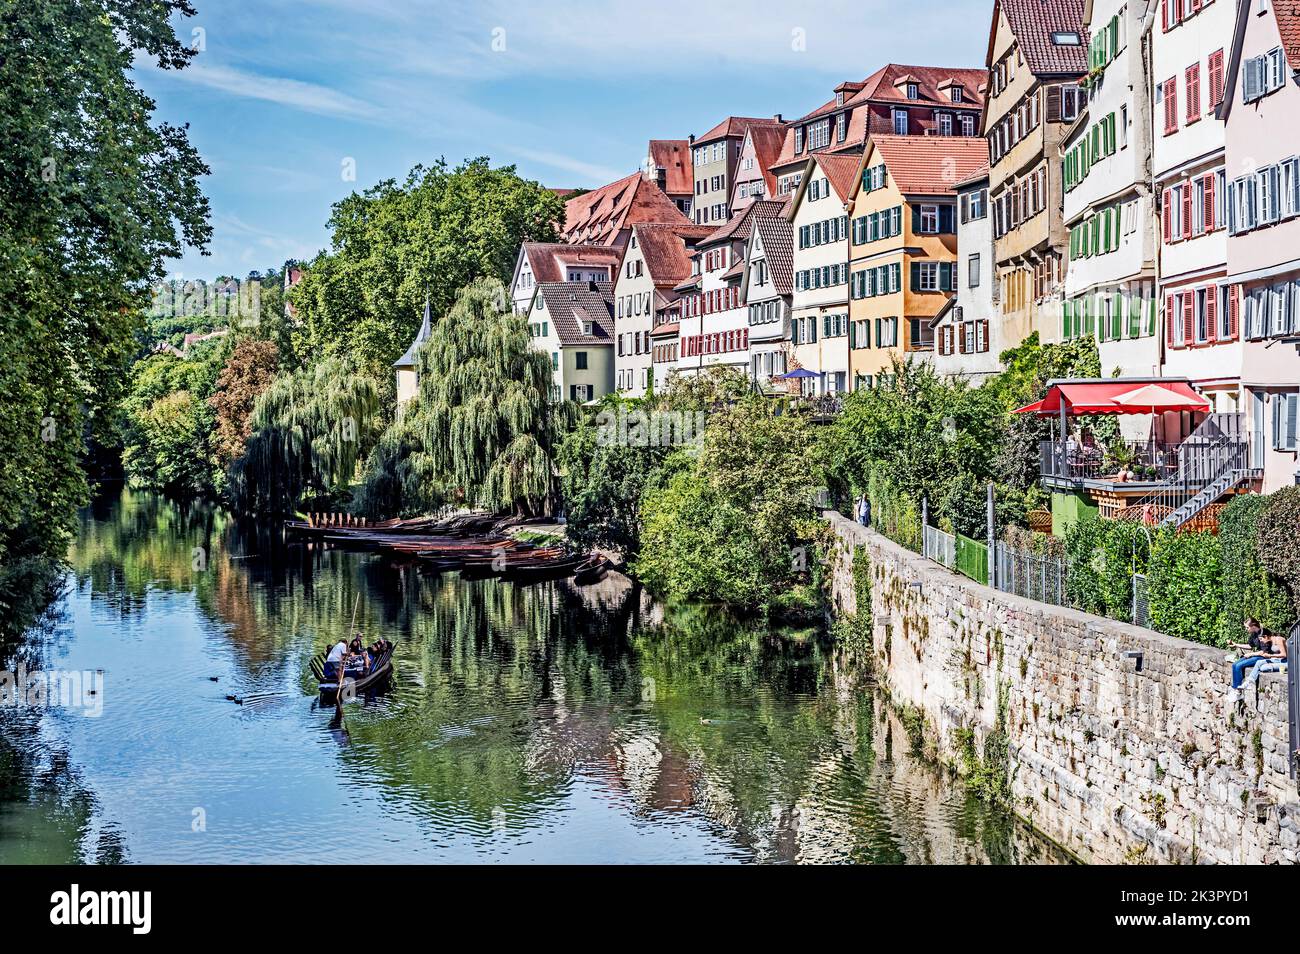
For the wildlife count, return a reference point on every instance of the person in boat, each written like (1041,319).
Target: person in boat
(335,659)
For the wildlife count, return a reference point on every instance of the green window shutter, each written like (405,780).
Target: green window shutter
(1065,320)
(1150,308)
(1114,36)
(916,219)
(916,276)
(945,276)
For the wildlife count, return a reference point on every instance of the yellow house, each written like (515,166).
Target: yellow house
(903,245)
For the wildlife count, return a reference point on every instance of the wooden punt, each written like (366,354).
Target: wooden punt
(378,675)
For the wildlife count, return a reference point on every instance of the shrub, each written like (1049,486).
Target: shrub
(1279,540)
(1185,586)
(1248,588)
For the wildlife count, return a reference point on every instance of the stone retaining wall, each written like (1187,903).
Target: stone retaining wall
(1043,704)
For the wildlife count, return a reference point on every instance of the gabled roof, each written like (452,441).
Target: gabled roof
(1033,22)
(569,304)
(885,86)
(664,329)
(777,235)
(735,126)
(664,249)
(842,172)
(739,226)
(548,260)
(597,217)
(674,157)
(767,141)
(929,165)
(1288,24)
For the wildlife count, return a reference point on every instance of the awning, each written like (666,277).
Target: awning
(796,373)
(1118,396)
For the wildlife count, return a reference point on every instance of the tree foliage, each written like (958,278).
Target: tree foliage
(481,424)
(395,243)
(93,197)
(248,372)
(732,525)
(1279,540)
(309,431)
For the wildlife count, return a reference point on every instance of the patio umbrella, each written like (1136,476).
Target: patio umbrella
(1155,398)
(796,373)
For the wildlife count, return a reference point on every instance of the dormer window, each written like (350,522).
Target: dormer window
(913,91)
(586,328)
(839,98)
(957,94)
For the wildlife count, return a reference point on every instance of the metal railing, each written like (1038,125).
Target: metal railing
(940,547)
(1293,696)
(1209,467)
(1147,461)
(1141,608)
(1034,576)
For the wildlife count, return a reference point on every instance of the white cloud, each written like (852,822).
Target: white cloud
(591,172)
(296,94)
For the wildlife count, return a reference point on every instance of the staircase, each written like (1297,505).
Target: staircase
(1214,460)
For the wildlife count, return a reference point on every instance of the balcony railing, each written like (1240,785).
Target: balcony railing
(1137,461)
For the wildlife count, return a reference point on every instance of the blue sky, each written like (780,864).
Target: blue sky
(285,92)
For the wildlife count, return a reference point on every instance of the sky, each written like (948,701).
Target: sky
(294,104)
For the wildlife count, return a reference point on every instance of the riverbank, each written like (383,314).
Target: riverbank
(1047,708)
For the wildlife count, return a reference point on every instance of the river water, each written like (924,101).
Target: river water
(524,724)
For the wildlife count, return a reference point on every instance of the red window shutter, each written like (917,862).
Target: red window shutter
(961,340)
(1167,201)
(1216,78)
(1194,92)
(1189,316)
(1187,210)
(1208,211)
(1211,312)
(1234,311)
(985,323)
(1171,106)
(1164,14)
(1171,302)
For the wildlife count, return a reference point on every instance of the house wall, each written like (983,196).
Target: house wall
(717,158)
(1117,764)
(825,355)
(769,341)
(634,305)
(407,387)
(599,373)
(977,303)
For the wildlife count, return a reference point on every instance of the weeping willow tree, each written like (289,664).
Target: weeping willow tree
(310,430)
(480,429)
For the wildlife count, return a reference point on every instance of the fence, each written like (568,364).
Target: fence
(1141,606)
(1293,695)
(972,559)
(1031,575)
(940,547)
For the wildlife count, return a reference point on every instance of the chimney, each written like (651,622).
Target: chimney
(778,118)
(691,138)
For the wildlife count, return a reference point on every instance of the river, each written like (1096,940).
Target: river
(524,724)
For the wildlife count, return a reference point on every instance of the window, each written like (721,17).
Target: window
(929,219)
(900,122)
(798,139)
(841,127)
(580,360)
(1286,407)
(968,125)
(1071,99)
(1193,84)
(945,124)
(1263,74)
(973,271)
(913,91)
(1066,38)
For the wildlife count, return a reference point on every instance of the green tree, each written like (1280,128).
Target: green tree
(734,525)
(93,197)
(481,424)
(1185,586)
(309,431)
(393,244)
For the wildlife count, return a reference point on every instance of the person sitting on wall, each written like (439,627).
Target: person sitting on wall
(1262,647)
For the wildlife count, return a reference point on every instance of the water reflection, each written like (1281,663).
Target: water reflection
(537,723)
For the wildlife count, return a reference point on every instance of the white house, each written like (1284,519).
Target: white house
(967,332)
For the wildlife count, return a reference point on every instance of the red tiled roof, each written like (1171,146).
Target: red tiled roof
(548,259)
(882,87)
(597,217)
(1033,22)
(740,226)
(768,141)
(777,235)
(664,249)
(929,165)
(674,157)
(981,173)
(568,304)
(667,328)
(734,126)
(842,171)
(1288,24)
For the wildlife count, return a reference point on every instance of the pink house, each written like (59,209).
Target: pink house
(1261,108)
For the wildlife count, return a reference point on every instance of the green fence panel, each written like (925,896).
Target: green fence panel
(973,559)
